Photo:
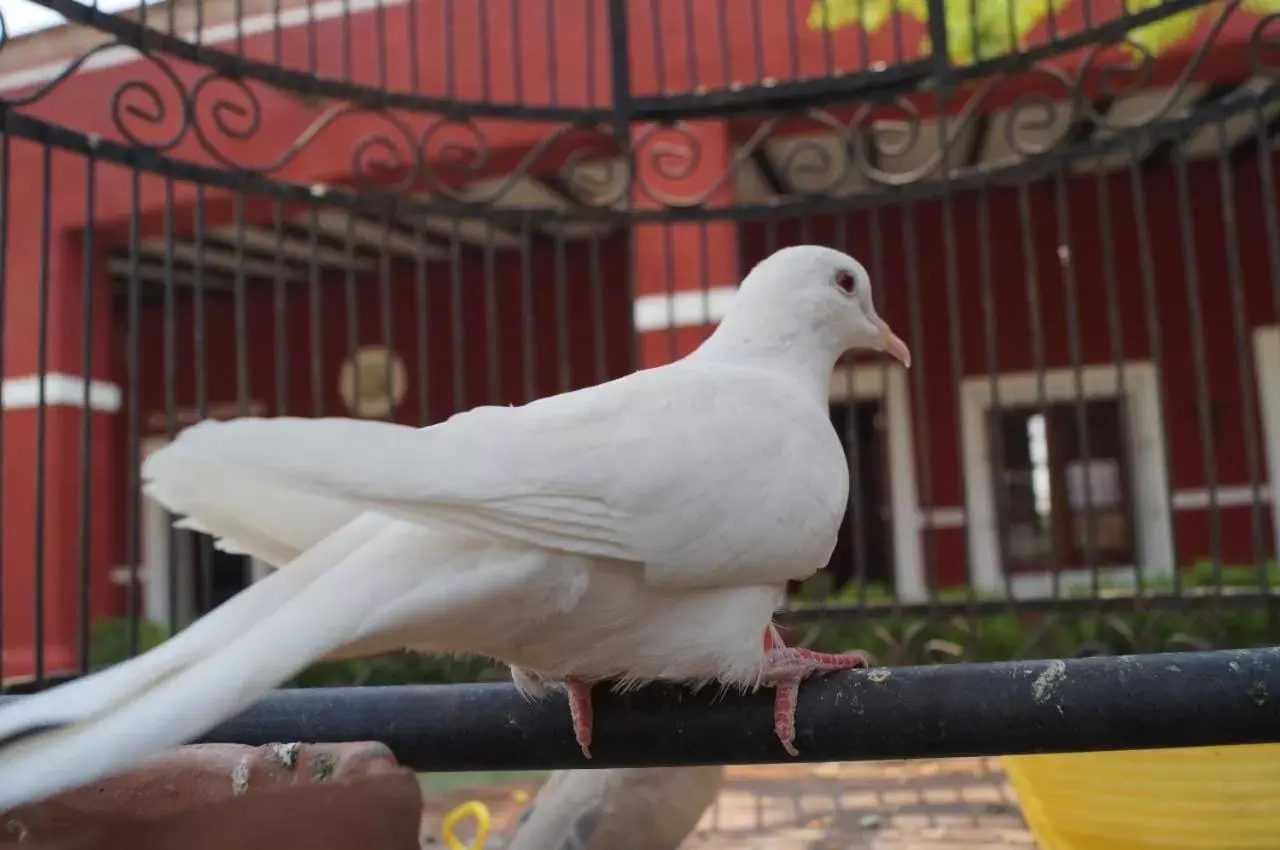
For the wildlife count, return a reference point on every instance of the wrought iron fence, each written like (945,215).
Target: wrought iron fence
(404,208)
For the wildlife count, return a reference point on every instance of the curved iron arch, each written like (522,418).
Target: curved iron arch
(608,139)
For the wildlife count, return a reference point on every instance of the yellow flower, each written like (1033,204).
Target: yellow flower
(998,25)
(1167,33)
(871,14)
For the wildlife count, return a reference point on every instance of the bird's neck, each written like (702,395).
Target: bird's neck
(800,352)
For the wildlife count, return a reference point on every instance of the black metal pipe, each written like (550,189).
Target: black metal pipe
(1121,702)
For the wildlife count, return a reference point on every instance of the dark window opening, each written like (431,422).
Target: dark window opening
(1059,504)
(864,548)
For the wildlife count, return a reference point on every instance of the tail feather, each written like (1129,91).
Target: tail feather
(370,584)
(222,663)
(245,514)
(81,699)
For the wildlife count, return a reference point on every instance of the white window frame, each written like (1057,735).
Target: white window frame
(1152,515)
(154,572)
(1266,367)
(888,385)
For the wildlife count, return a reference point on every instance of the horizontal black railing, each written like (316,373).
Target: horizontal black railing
(1007,708)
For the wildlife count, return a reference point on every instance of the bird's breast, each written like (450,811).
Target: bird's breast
(623,628)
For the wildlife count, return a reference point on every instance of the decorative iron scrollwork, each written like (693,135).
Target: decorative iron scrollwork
(868,149)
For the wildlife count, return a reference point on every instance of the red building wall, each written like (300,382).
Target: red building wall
(914,234)
(568,350)
(46,286)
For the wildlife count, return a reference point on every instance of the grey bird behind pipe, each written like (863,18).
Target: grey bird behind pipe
(619,809)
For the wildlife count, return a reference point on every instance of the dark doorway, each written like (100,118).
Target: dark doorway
(863,550)
(221,574)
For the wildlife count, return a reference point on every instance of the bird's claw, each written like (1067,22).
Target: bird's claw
(785,668)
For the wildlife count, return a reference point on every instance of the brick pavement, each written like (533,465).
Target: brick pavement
(948,804)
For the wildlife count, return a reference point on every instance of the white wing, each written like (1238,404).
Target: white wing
(706,478)
(245,516)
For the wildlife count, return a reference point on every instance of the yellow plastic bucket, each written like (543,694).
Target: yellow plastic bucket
(1199,798)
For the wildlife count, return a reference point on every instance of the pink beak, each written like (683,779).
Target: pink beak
(894,346)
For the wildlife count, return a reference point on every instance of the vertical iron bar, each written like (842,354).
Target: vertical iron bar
(241,308)
(380,41)
(421,328)
(994,438)
(853,448)
(956,350)
(1116,340)
(1240,328)
(793,40)
(875,236)
(458,329)
(563,372)
(280,305)
(86,417)
(1191,277)
(314,326)
(1263,152)
(1146,259)
(1066,265)
(384,316)
(919,403)
(517,51)
(1035,315)
(690,48)
(620,92)
(493,361)
(353,316)
(527,329)
(42,376)
(596,297)
(553,75)
(5,189)
(204,552)
(134,426)
(938,43)
(483,49)
(169,345)
(411,36)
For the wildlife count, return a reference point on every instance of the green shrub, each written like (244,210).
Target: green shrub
(109,640)
(1017,635)
(889,640)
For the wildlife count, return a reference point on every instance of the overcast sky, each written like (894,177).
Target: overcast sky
(22,16)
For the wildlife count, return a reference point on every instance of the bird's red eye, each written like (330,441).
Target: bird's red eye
(845,281)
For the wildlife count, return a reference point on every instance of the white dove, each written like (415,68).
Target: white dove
(638,530)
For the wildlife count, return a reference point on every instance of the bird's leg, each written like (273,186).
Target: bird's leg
(580,713)
(785,667)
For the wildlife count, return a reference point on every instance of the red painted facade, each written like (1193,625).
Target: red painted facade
(42,540)
(1011,331)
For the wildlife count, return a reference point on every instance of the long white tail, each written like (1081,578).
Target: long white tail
(221,664)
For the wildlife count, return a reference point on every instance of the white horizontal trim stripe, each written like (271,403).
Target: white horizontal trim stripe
(942,518)
(686,309)
(1234,496)
(60,390)
(217,34)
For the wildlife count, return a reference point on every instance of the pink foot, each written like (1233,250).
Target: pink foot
(784,668)
(580,713)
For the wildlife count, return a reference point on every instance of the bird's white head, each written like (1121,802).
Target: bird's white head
(811,294)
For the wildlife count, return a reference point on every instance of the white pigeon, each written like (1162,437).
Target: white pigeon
(653,808)
(638,530)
